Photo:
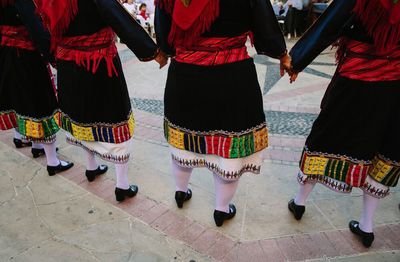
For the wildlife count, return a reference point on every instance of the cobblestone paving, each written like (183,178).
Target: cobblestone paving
(279,123)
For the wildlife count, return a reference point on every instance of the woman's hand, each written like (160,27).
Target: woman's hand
(286,64)
(161,59)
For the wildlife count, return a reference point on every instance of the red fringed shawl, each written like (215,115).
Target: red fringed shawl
(381,18)
(4,3)
(189,22)
(57,15)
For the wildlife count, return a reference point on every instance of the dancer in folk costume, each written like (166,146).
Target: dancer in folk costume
(93,95)
(27,99)
(355,140)
(214,115)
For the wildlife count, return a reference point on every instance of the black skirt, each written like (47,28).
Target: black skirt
(215,110)
(94,106)
(27,96)
(355,140)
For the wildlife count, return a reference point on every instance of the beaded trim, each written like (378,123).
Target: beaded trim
(220,143)
(98,132)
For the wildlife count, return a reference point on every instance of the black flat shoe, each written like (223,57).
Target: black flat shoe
(121,194)
(38,152)
(52,170)
(297,211)
(20,144)
(181,197)
(366,238)
(220,216)
(92,174)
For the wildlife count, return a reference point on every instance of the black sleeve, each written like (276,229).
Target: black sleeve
(268,37)
(40,36)
(162,26)
(128,29)
(323,33)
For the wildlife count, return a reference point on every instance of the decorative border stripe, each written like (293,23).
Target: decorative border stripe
(98,132)
(220,143)
(342,173)
(122,159)
(39,130)
(215,168)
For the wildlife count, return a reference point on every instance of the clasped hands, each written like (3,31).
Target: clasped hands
(286,66)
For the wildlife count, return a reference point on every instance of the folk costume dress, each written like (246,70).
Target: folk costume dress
(214,115)
(27,96)
(94,101)
(355,140)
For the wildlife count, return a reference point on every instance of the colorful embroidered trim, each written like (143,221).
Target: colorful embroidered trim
(342,173)
(39,130)
(340,168)
(385,172)
(107,157)
(194,163)
(220,143)
(100,132)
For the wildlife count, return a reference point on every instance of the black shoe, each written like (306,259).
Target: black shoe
(220,216)
(38,152)
(92,174)
(297,211)
(52,170)
(366,238)
(181,197)
(121,194)
(20,144)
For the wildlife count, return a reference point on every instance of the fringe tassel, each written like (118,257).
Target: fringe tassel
(341,45)
(376,19)
(188,37)
(57,15)
(91,62)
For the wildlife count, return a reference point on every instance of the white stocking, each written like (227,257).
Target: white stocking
(182,176)
(91,163)
(370,204)
(224,192)
(121,170)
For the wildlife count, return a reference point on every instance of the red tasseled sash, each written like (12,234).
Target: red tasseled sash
(16,36)
(89,50)
(382,21)
(4,3)
(189,22)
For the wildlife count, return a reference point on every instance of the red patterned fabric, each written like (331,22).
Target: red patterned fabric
(89,51)
(16,36)
(214,51)
(8,121)
(364,62)
(381,18)
(189,22)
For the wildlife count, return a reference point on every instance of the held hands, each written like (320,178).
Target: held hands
(286,66)
(161,59)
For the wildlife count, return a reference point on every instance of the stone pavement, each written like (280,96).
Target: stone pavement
(65,218)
